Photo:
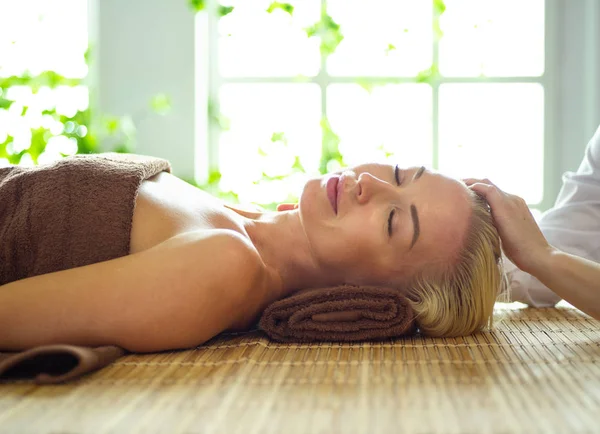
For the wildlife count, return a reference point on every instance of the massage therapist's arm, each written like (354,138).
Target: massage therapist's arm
(177,294)
(573,278)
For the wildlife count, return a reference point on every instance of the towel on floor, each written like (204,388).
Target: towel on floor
(48,364)
(341,313)
(69,213)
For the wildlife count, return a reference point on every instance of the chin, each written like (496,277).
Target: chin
(313,202)
(309,196)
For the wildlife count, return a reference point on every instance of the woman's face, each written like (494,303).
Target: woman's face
(378,224)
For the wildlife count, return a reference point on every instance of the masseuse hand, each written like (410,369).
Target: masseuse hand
(522,241)
(287,206)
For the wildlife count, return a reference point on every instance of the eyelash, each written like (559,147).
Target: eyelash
(397,176)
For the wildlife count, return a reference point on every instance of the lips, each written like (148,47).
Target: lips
(340,187)
(332,191)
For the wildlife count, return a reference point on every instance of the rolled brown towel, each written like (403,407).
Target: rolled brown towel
(47,364)
(341,313)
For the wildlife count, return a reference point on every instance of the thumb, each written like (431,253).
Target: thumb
(287,206)
(482,189)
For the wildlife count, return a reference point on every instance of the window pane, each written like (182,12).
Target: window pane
(248,45)
(269,125)
(67,101)
(392,119)
(381,37)
(37,36)
(492,37)
(40,35)
(494,131)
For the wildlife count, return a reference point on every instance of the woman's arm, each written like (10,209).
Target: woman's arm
(177,294)
(573,278)
(571,225)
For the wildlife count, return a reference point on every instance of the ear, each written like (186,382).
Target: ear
(287,206)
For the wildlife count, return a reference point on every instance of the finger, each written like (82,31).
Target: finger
(287,206)
(481,187)
(471,181)
(490,192)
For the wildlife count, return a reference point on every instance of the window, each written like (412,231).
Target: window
(42,63)
(309,85)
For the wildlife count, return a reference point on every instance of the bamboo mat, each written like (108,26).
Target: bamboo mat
(538,371)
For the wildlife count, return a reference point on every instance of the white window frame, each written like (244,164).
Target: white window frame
(209,21)
(571,80)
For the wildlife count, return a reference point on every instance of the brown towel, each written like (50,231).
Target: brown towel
(341,313)
(55,363)
(66,214)
(69,213)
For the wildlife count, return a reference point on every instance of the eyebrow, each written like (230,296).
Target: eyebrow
(416,227)
(418,173)
(413,212)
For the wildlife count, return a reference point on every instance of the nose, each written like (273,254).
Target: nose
(370,186)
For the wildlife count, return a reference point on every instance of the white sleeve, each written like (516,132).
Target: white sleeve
(572,225)
(527,289)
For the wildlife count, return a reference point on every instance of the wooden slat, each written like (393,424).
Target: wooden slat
(537,371)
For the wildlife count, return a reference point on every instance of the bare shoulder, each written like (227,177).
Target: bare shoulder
(218,280)
(235,263)
(224,248)
(230,260)
(176,294)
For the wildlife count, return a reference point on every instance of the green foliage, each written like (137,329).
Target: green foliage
(5,103)
(439,7)
(200,5)
(214,177)
(428,75)
(224,10)
(383,149)
(161,104)
(366,84)
(46,79)
(216,117)
(297,166)
(279,137)
(279,144)
(75,127)
(329,31)
(117,133)
(330,148)
(286,7)
(437,30)
(331,35)
(197,5)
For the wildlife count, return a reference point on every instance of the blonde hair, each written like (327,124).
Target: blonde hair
(459,300)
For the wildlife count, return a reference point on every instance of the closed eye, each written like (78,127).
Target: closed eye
(391,216)
(397,175)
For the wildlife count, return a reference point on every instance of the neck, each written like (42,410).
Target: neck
(281,241)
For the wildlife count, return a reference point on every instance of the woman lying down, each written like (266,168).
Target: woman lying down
(113,249)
